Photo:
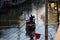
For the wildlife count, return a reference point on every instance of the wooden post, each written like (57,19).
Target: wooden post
(46,20)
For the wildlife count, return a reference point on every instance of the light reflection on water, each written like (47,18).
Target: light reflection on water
(12,33)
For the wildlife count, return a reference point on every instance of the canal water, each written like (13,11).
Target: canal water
(20,34)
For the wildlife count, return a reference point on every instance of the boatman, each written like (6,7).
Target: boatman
(31,19)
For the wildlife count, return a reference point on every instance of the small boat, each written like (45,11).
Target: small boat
(30,29)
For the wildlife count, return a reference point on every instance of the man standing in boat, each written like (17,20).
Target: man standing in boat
(31,19)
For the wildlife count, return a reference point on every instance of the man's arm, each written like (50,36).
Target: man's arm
(58,34)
